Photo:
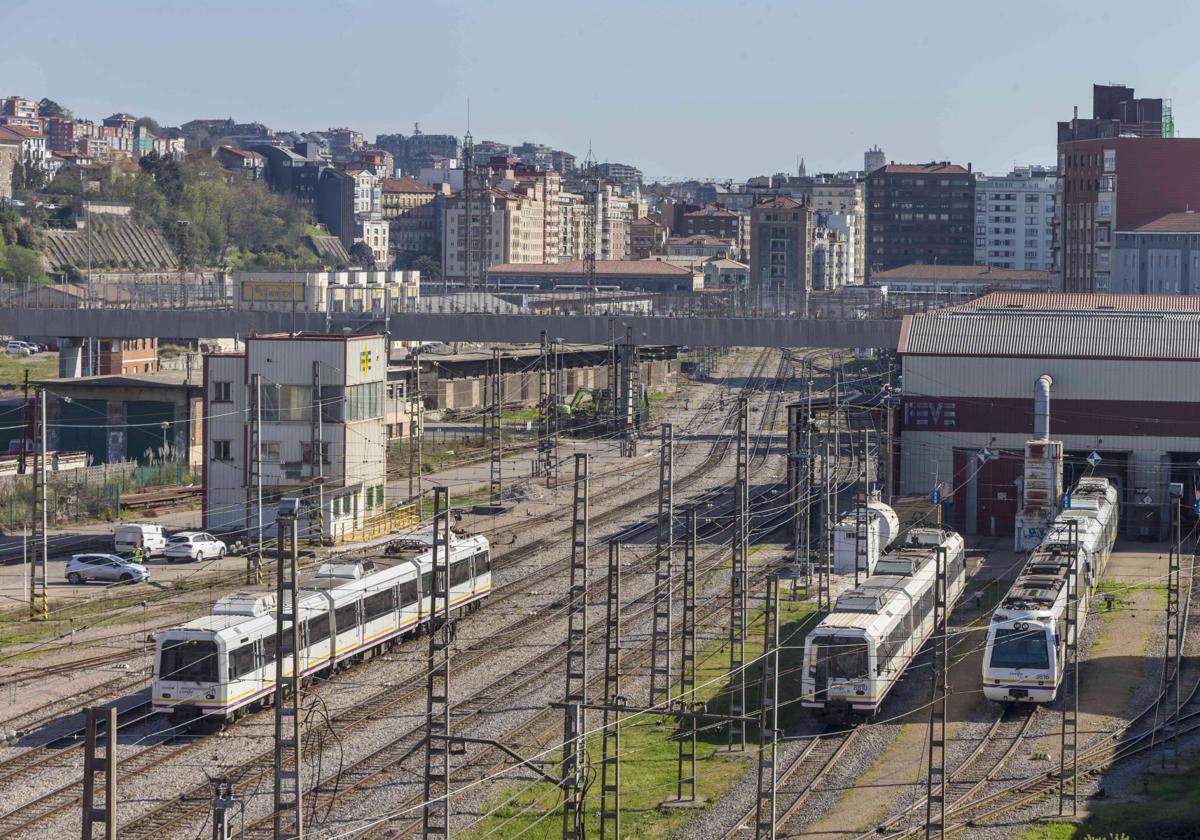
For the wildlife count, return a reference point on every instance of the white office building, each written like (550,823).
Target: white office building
(335,463)
(1014,219)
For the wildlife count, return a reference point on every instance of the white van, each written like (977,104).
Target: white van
(151,539)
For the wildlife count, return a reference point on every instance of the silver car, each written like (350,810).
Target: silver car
(105,567)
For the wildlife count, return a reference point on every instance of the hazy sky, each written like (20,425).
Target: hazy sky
(696,88)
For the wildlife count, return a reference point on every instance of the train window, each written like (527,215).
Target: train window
(408,592)
(241,661)
(268,650)
(346,617)
(483,563)
(189,660)
(460,572)
(378,605)
(318,629)
(844,658)
(427,584)
(1014,648)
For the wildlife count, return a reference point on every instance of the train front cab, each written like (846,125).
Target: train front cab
(1023,664)
(837,676)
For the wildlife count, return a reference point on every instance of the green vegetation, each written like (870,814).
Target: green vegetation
(20,261)
(648,771)
(41,366)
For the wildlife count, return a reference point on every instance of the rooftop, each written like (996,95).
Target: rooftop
(1061,326)
(710,210)
(159,379)
(604,268)
(1186,222)
(780,202)
(942,168)
(960,274)
(406,185)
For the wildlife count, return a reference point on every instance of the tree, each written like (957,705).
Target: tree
(429,266)
(49,108)
(362,255)
(149,123)
(20,265)
(166,173)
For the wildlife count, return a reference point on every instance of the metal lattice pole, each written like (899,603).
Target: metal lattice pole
(254,564)
(496,476)
(610,750)
(416,434)
(660,641)
(1069,735)
(768,723)
(40,507)
(317,468)
(862,524)
(289,781)
(685,788)
(435,816)
(737,583)
(574,724)
(1169,698)
(825,564)
(105,766)
(935,778)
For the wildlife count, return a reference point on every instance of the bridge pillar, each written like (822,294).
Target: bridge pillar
(71,357)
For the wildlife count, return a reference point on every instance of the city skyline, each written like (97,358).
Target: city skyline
(982,96)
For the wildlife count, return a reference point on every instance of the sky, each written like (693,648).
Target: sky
(699,89)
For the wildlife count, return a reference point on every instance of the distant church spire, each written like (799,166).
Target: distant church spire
(800,169)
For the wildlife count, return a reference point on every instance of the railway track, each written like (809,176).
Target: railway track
(55,802)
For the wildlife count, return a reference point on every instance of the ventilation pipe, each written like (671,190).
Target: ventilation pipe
(1041,407)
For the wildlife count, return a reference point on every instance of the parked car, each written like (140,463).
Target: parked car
(151,539)
(18,348)
(193,545)
(105,567)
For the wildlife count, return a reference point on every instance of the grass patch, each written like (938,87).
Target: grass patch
(41,366)
(649,765)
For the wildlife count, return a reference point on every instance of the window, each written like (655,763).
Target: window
(1013,648)
(843,658)
(408,593)
(222,392)
(364,401)
(460,572)
(287,402)
(221,450)
(270,451)
(190,660)
(483,563)
(318,629)
(242,661)
(346,618)
(306,453)
(378,605)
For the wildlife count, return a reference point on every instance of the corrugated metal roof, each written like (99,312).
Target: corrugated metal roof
(1092,335)
(1082,302)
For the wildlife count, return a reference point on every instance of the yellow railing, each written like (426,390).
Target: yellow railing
(380,525)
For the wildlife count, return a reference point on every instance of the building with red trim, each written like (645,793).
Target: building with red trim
(1125,369)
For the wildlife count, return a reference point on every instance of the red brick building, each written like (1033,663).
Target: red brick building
(1116,183)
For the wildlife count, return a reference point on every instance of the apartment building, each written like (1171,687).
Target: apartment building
(507,226)
(322,435)
(408,206)
(920,213)
(844,199)
(781,247)
(1014,219)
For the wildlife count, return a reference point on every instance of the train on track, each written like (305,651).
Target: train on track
(858,652)
(223,664)
(1028,635)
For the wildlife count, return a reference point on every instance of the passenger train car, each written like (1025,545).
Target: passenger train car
(223,663)
(1027,637)
(858,652)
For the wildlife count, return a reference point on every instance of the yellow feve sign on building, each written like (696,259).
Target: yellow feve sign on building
(365,357)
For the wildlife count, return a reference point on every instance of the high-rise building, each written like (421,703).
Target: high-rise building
(1115,112)
(714,220)
(510,226)
(873,158)
(407,205)
(1014,219)
(842,196)
(781,248)
(920,213)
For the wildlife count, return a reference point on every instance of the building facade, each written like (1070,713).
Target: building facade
(1014,219)
(781,247)
(340,475)
(1116,183)
(407,205)
(327,291)
(920,213)
(1161,257)
(844,199)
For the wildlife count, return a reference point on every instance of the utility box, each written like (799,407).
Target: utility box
(1041,488)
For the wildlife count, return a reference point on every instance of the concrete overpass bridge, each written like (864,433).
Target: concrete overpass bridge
(694,331)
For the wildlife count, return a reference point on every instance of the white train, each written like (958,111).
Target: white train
(858,652)
(221,664)
(1027,637)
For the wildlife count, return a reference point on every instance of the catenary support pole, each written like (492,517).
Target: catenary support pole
(660,641)
(768,724)
(289,782)
(574,724)
(610,749)
(935,778)
(435,816)
(104,766)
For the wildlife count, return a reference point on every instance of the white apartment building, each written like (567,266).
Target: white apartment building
(374,232)
(844,198)
(336,466)
(327,291)
(840,234)
(509,225)
(1014,219)
(368,190)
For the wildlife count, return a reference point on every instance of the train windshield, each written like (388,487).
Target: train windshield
(840,658)
(189,660)
(1026,648)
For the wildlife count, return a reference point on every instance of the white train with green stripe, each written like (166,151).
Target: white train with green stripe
(223,664)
